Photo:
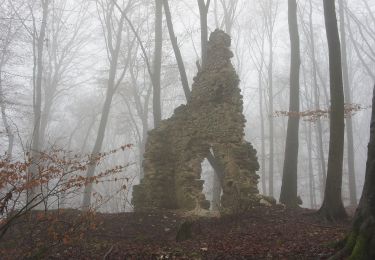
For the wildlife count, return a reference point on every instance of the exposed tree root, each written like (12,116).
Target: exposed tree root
(332,215)
(359,243)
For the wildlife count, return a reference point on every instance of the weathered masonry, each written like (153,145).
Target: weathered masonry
(212,120)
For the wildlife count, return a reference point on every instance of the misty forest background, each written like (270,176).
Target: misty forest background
(82,77)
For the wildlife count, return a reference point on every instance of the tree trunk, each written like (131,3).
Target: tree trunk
(288,195)
(203,10)
(35,146)
(319,130)
(157,61)
(8,129)
(271,126)
(348,100)
(176,50)
(361,239)
(85,139)
(262,132)
(311,169)
(332,207)
(97,147)
(105,112)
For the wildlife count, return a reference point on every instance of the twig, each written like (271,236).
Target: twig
(108,253)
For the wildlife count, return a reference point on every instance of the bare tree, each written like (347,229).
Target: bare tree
(332,207)
(269,11)
(176,50)
(348,100)
(113,29)
(288,194)
(157,61)
(38,48)
(230,13)
(9,31)
(66,37)
(203,11)
(257,53)
(137,97)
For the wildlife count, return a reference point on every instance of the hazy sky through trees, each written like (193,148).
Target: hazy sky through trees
(81,81)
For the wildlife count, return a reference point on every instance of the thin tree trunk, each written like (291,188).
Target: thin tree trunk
(157,62)
(203,11)
(84,143)
(35,147)
(97,147)
(262,131)
(319,129)
(8,129)
(311,169)
(105,112)
(288,195)
(45,116)
(332,207)
(176,50)
(271,126)
(349,122)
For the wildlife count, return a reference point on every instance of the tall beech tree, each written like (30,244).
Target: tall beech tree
(360,241)
(288,194)
(113,29)
(332,207)
(348,100)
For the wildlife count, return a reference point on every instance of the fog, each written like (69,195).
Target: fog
(79,78)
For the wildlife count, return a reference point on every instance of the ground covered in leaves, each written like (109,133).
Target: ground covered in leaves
(262,233)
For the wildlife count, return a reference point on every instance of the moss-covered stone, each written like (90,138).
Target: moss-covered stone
(211,119)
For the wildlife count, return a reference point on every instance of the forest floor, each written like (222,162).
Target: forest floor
(262,233)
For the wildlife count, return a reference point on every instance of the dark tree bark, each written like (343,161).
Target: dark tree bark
(157,61)
(332,207)
(176,50)
(288,195)
(348,100)
(203,11)
(361,239)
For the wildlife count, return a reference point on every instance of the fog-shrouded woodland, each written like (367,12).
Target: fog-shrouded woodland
(201,129)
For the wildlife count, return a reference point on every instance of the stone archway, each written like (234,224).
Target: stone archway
(211,119)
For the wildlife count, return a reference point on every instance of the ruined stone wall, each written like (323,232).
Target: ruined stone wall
(211,119)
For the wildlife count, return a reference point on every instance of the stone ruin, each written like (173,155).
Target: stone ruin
(211,121)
